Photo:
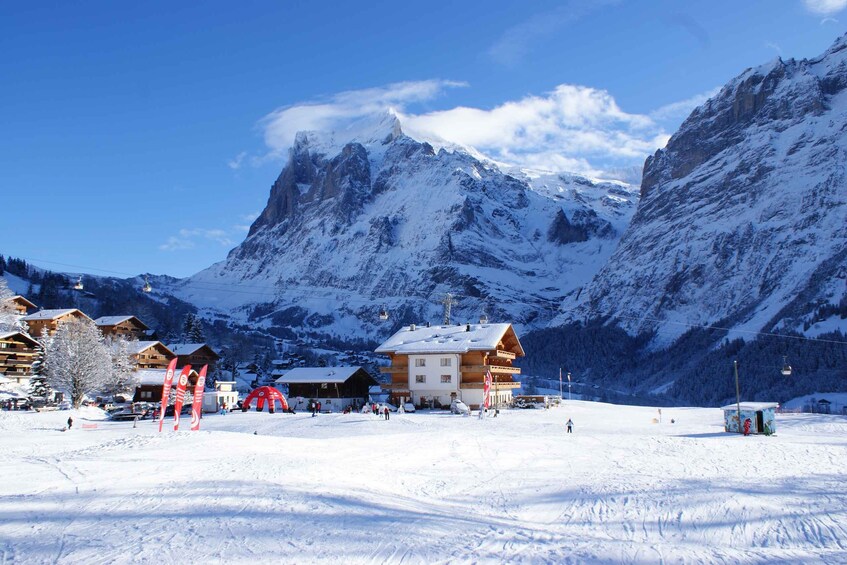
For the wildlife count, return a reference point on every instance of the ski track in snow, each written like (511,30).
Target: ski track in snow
(425,488)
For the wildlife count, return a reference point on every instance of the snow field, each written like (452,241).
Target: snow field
(424,488)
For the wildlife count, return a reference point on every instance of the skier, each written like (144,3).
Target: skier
(569,424)
(318,407)
(747,424)
(386,412)
(70,422)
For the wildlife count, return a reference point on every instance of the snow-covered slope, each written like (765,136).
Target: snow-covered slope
(370,217)
(743,216)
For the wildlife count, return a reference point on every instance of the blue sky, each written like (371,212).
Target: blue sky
(144,137)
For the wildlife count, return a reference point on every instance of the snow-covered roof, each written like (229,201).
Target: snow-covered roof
(152,376)
(318,375)
(51,314)
(115,320)
(7,335)
(752,406)
(156,376)
(139,346)
(20,299)
(188,348)
(446,339)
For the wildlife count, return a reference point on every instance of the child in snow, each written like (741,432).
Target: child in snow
(70,422)
(569,424)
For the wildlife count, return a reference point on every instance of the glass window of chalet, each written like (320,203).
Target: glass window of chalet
(446,379)
(420,378)
(445,361)
(420,362)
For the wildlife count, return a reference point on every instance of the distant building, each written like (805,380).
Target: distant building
(50,320)
(335,387)
(151,355)
(17,353)
(21,304)
(150,384)
(434,364)
(194,354)
(762,416)
(125,326)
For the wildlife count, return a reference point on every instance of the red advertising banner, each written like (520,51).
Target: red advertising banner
(180,394)
(197,405)
(486,390)
(166,390)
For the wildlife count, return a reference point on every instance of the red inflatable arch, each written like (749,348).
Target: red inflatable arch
(264,394)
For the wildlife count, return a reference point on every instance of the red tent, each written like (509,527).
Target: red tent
(263,394)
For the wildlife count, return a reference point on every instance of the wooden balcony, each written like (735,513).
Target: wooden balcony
(494,386)
(393,370)
(500,354)
(395,387)
(499,369)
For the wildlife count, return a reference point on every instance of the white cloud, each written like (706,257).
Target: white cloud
(825,7)
(188,238)
(572,128)
(517,41)
(282,124)
(237,161)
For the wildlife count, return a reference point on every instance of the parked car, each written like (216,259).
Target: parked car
(64,405)
(459,407)
(409,407)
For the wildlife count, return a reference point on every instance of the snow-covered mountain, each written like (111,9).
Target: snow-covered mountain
(369,217)
(743,216)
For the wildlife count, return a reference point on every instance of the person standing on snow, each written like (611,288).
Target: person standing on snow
(386,412)
(70,422)
(569,424)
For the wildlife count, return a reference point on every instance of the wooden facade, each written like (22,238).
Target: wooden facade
(152,355)
(426,374)
(195,354)
(21,304)
(17,353)
(124,326)
(49,320)
(151,384)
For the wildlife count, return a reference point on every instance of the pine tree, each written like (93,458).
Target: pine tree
(10,318)
(192,330)
(77,360)
(39,387)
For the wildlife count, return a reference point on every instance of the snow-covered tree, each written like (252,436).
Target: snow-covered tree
(78,360)
(123,378)
(192,330)
(10,318)
(39,387)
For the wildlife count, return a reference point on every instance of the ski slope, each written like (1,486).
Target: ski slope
(424,488)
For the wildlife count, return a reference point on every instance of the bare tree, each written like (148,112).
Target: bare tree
(78,360)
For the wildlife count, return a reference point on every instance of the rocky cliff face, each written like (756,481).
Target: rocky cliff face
(743,216)
(371,217)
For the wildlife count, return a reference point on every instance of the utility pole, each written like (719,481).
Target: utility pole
(560,383)
(737,395)
(447,301)
(569,385)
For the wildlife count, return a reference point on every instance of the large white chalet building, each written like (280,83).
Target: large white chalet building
(435,364)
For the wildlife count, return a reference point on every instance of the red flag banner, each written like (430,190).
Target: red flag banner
(180,394)
(197,405)
(166,390)
(486,390)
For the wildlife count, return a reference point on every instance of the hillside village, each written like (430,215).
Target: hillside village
(428,366)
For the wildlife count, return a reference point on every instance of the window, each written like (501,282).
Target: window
(420,362)
(445,361)
(420,378)
(446,379)
(146,394)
